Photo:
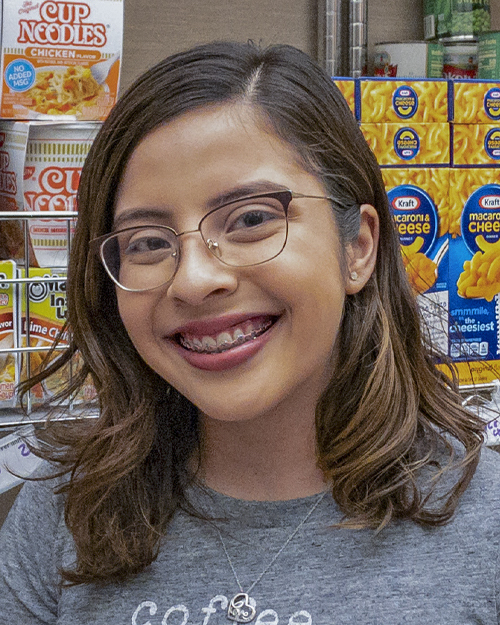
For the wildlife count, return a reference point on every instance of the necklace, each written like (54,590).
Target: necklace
(242,607)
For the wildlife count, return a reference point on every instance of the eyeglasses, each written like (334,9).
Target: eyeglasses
(245,232)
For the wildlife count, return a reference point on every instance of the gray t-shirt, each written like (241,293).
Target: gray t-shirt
(406,574)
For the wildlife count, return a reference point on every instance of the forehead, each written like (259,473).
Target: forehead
(205,153)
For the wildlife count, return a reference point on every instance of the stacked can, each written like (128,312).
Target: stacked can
(457,25)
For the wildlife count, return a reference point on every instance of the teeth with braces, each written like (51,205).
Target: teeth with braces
(225,340)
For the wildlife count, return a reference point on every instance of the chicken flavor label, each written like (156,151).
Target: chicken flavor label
(60,58)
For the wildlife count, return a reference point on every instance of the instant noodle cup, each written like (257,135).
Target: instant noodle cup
(44,159)
(43,314)
(418,199)
(474,276)
(60,58)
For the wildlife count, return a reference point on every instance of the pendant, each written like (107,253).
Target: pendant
(240,609)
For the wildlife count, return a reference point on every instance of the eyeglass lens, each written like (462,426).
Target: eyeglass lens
(243,233)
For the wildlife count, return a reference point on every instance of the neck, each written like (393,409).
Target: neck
(269,458)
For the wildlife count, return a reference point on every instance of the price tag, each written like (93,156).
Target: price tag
(16,459)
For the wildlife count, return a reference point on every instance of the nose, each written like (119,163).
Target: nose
(199,274)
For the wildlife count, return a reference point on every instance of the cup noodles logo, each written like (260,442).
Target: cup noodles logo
(62,23)
(8,182)
(57,190)
(60,58)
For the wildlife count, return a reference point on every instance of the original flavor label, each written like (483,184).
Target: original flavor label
(405,102)
(406,143)
(492,103)
(475,278)
(60,58)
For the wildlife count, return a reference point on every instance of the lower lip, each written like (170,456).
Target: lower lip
(229,358)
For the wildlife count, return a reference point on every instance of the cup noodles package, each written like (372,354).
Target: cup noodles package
(396,100)
(42,166)
(8,335)
(408,144)
(418,199)
(60,58)
(42,316)
(474,276)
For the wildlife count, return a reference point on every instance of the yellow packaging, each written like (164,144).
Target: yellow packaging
(8,335)
(475,101)
(418,199)
(43,313)
(407,145)
(60,58)
(474,275)
(348,88)
(476,144)
(393,101)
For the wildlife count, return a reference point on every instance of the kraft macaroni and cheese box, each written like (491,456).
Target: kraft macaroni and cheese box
(348,87)
(8,335)
(60,58)
(474,276)
(475,102)
(476,145)
(42,162)
(409,144)
(397,100)
(418,199)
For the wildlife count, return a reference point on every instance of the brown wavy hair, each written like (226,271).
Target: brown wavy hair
(388,415)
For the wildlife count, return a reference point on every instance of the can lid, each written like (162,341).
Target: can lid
(393,43)
(466,39)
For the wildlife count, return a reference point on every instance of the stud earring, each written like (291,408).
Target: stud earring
(354,275)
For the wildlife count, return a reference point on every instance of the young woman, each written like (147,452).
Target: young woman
(275,443)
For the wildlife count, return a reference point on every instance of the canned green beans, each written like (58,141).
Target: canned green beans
(456,18)
(489,56)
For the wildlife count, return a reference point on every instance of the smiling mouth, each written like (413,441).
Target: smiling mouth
(228,339)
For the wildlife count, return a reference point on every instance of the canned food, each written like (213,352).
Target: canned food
(488,56)
(460,60)
(456,18)
(409,59)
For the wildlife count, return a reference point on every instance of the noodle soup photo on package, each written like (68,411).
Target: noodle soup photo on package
(60,59)
(474,276)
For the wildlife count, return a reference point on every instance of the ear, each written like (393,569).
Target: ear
(362,252)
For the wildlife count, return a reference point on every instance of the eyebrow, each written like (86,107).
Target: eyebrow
(158,213)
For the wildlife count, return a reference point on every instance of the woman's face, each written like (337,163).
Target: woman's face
(293,303)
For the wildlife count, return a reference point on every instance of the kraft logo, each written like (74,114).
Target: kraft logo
(489,201)
(406,203)
(404,92)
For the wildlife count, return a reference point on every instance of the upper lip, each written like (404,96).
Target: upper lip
(206,327)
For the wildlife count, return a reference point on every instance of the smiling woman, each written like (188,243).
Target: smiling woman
(238,296)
